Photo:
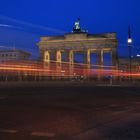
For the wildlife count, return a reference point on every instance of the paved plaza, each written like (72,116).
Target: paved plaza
(69,111)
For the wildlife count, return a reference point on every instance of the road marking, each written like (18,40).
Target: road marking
(43,134)
(8,131)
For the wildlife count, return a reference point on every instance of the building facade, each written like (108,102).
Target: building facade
(11,55)
(124,64)
(52,48)
(72,43)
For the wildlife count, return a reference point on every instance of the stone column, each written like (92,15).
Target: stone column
(46,56)
(114,60)
(46,64)
(58,64)
(114,57)
(88,56)
(100,62)
(58,56)
(100,58)
(71,63)
(88,63)
(71,57)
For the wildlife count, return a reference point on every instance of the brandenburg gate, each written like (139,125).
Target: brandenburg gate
(78,41)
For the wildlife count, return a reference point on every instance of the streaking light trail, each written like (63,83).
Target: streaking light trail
(28,24)
(55,69)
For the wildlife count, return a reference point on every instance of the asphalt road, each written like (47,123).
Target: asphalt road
(69,111)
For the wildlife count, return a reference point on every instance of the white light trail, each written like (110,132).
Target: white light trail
(32,25)
(10,26)
(5,25)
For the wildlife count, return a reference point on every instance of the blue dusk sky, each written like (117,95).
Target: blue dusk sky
(22,22)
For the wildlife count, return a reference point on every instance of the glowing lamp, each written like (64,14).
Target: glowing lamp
(129,40)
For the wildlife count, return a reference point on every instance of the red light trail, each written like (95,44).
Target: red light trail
(64,69)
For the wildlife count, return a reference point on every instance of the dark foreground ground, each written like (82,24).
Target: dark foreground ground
(69,111)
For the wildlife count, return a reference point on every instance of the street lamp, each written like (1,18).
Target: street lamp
(129,41)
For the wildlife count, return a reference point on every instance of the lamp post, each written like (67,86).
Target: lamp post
(129,41)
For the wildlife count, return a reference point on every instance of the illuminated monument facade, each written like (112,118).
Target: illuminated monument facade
(78,41)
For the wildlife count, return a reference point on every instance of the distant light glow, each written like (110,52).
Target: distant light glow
(138,55)
(129,40)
